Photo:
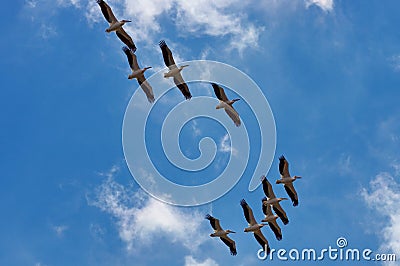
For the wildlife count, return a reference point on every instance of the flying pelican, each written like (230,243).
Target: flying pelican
(273,200)
(287,180)
(116,25)
(222,234)
(271,220)
(138,73)
(225,103)
(174,71)
(254,227)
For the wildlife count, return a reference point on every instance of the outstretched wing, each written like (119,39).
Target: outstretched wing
(281,213)
(214,222)
(230,243)
(292,193)
(258,235)
(107,11)
(283,167)
(132,59)
(266,208)
(125,38)
(219,92)
(248,212)
(267,188)
(182,86)
(233,114)
(148,90)
(276,229)
(167,55)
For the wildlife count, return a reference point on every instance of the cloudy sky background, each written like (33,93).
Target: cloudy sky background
(329,69)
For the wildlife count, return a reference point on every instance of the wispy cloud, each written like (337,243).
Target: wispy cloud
(60,229)
(383,196)
(225,145)
(395,62)
(190,261)
(326,5)
(142,219)
(205,17)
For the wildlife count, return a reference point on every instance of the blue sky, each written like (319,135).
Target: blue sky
(330,70)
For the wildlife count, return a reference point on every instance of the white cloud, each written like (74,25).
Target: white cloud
(395,62)
(60,229)
(141,219)
(383,196)
(203,17)
(190,261)
(326,5)
(225,145)
(47,31)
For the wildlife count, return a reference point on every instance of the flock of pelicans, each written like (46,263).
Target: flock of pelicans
(268,202)
(174,70)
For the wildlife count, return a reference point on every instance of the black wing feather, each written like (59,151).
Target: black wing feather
(261,242)
(127,51)
(266,184)
(281,164)
(231,246)
(103,6)
(244,205)
(292,196)
(264,207)
(167,54)
(276,231)
(284,219)
(129,42)
(217,91)
(212,221)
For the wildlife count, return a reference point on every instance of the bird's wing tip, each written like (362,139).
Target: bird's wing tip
(208,216)
(162,43)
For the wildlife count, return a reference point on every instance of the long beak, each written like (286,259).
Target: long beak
(233,232)
(127,20)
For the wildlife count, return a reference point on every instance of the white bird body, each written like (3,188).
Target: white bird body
(137,73)
(174,71)
(253,228)
(274,201)
(116,25)
(269,218)
(287,180)
(222,234)
(226,104)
